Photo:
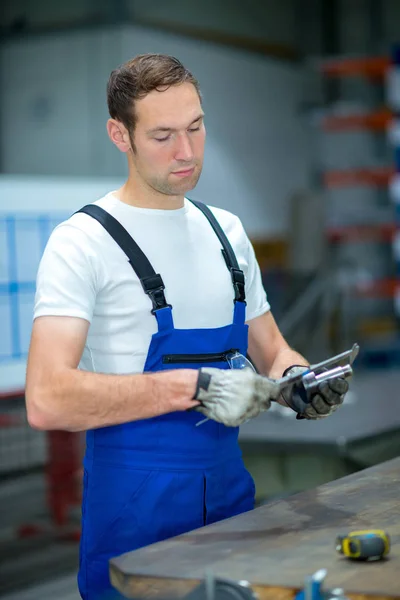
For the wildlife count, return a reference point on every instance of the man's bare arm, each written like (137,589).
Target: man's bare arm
(269,350)
(59,396)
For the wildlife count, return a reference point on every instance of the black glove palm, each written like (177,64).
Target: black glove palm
(323,402)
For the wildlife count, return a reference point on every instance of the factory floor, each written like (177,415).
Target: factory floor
(28,561)
(63,588)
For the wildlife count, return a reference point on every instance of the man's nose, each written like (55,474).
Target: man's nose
(184,150)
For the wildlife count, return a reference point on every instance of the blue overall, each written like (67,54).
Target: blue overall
(152,479)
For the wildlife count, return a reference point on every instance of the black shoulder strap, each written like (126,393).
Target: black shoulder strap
(152,282)
(227,252)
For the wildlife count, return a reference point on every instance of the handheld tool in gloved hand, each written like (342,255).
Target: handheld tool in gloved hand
(316,391)
(234,396)
(371,544)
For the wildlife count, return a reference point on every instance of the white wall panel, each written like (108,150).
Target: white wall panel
(45,111)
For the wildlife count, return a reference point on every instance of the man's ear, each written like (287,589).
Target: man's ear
(118,134)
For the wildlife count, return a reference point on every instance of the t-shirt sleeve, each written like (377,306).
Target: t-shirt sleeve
(67,278)
(256,297)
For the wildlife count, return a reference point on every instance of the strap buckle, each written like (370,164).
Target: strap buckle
(238,281)
(154,287)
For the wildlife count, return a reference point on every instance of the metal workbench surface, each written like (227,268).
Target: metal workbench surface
(279,544)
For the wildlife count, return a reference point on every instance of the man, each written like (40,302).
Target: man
(154,314)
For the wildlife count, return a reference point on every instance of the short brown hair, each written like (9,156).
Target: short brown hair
(140,76)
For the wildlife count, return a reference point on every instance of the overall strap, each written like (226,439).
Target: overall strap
(237,274)
(152,282)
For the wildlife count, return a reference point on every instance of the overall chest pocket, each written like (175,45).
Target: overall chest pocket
(199,359)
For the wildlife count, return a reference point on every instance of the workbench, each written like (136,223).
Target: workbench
(277,545)
(288,456)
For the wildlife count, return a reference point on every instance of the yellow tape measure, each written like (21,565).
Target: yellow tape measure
(372,544)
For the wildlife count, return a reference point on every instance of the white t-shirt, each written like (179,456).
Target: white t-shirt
(84,273)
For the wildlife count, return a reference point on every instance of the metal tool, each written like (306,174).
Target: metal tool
(319,372)
(218,588)
(313,589)
(315,374)
(300,387)
(373,544)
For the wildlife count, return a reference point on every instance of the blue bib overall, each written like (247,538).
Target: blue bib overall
(153,479)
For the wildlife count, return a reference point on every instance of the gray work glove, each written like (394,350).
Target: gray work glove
(328,397)
(233,396)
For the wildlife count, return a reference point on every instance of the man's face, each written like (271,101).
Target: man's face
(168,141)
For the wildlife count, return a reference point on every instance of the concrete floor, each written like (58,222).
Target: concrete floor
(63,588)
(27,561)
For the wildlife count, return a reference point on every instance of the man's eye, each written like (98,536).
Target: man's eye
(195,129)
(164,139)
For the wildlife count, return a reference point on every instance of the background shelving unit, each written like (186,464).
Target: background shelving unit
(393,94)
(381,178)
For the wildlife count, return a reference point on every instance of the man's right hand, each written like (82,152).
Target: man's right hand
(233,396)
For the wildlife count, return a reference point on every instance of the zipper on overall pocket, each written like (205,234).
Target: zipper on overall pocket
(170,359)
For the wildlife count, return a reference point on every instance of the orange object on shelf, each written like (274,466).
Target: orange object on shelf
(382,288)
(376,121)
(374,67)
(377,176)
(358,233)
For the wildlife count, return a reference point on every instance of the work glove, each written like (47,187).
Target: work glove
(323,402)
(233,396)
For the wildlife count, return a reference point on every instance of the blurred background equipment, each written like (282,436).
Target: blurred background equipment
(302,102)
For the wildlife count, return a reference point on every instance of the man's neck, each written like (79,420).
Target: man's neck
(134,194)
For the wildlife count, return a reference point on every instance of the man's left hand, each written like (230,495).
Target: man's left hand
(324,402)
